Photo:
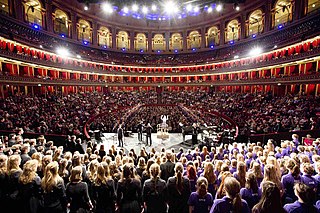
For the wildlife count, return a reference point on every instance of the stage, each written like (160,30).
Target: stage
(174,141)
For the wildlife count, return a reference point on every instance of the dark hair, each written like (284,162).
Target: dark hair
(179,170)
(306,194)
(251,183)
(270,199)
(202,186)
(191,172)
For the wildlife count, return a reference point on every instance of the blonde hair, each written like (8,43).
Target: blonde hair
(155,171)
(13,163)
(29,172)
(209,173)
(101,176)
(76,174)
(270,174)
(3,164)
(202,186)
(93,166)
(51,177)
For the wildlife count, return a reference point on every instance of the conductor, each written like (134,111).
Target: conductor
(120,135)
(148,131)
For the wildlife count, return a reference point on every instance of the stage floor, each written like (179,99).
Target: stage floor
(131,142)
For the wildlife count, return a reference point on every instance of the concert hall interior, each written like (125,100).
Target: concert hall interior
(160,106)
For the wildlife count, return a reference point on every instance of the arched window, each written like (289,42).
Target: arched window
(123,40)
(194,40)
(255,23)
(282,12)
(104,37)
(61,23)
(176,42)
(33,12)
(313,5)
(158,42)
(140,42)
(232,31)
(84,31)
(4,6)
(213,36)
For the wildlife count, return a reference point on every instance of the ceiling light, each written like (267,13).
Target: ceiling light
(144,9)
(153,7)
(86,8)
(135,8)
(107,7)
(196,9)
(219,7)
(3,6)
(63,52)
(313,5)
(170,7)
(79,56)
(236,57)
(209,9)
(237,8)
(189,7)
(255,51)
(125,9)
(275,46)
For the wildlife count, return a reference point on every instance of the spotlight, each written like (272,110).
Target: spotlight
(189,7)
(105,46)
(170,7)
(85,42)
(280,26)
(135,8)
(86,8)
(3,6)
(231,42)
(35,26)
(236,6)
(107,7)
(275,46)
(63,52)
(144,9)
(255,51)
(196,9)
(209,9)
(158,51)
(254,35)
(125,9)
(313,5)
(141,50)
(41,46)
(79,56)
(62,36)
(194,49)
(123,49)
(219,7)
(153,7)
(211,46)
(176,51)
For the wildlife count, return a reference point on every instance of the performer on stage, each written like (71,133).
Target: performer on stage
(149,131)
(120,135)
(140,130)
(164,119)
(194,134)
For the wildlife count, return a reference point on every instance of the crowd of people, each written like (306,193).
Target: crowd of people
(254,113)
(37,176)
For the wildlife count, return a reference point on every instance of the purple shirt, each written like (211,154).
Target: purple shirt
(288,182)
(200,204)
(225,205)
(309,181)
(233,170)
(298,207)
(250,197)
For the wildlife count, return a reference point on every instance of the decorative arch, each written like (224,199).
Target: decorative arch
(84,30)
(158,42)
(33,12)
(104,37)
(61,22)
(123,40)
(232,31)
(213,36)
(176,41)
(255,23)
(140,42)
(4,6)
(312,6)
(194,40)
(282,12)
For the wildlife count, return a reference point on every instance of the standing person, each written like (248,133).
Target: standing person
(129,191)
(270,199)
(194,134)
(232,202)
(13,173)
(149,132)
(167,168)
(154,192)
(77,192)
(178,191)
(140,130)
(200,201)
(54,192)
(120,135)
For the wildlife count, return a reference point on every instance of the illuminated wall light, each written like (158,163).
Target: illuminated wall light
(144,10)
(105,46)
(153,8)
(211,46)
(275,46)
(237,8)
(41,46)
(125,9)
(280,26)
(62,36)
(176,51)
(85,42)
(86,8)
(78,56)
(254,36)
(313,5)
(3,6)
(236,57)
(123,49)
(141,50)
(231,42)
(36,26)
(194,49)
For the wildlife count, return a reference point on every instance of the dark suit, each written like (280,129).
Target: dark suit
(167,170)
(120,136)
(140,129)
(149,131)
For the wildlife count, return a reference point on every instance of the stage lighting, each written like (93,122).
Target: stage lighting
(36,26)
(78,56)
(209,9)
(153,7)
(63,52)
(86,8)
(255,51)
(144,9)
(85,42)
(41,46)
(135,8)
(236,57)
(280,26)
(219,7)
(231,42)
(211,46)
(170,7)
(196,9)
(176,51)
(189,7)
(62,35)
(107,7)
(125,9)
(254,35)
(275,46)
(236,6)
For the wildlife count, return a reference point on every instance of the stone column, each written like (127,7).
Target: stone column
(149,42)
(243,26)
(74,26)
(184,41)
(95,33)
(114,38)
(18,8)
(132,37)
(222,31)
(268,16)
(167,40)
(49,21)
(203,38)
